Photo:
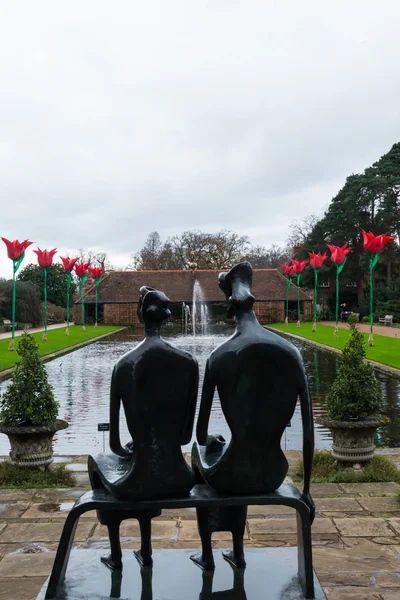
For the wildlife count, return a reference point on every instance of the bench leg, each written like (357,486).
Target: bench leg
(114,560)
(235,521)
(144,555)
(205,558)
(62,557)
(304,554)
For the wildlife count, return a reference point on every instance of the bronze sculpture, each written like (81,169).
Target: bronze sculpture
(157,385)
(259,377)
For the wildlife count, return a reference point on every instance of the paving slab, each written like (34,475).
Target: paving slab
(388,580)
(349,593)
(359,558)
(58,495)
(12,511)
(395,523)
(285,525)
(130,529)
(41,532)
(267,511)
(371,489)
(346,505)
(380,504)
(27,565)
(54,510)
(363,527)
(21,588)
(343,579)
(13,495)
(390,595)
(188,531)
(325,490)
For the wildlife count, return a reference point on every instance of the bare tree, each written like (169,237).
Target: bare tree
(268,258)
(220,250)
(300,230)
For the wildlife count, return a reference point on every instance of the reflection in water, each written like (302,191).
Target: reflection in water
(237,592)
(81,382)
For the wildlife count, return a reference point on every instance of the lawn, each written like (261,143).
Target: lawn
(385,350)
(56,341)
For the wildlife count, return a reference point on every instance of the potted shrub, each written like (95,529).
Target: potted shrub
(354,404)
(28,409)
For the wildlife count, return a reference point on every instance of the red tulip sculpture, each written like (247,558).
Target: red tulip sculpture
(68,266)
(316,262)
(288,272)
(82,271)
(298,268)
(373,244)
(97,274)
(16,252)
(45,259)
(339,258)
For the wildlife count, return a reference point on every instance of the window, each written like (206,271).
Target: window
(324,282)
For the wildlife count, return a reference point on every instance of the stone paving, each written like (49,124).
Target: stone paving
(356,536)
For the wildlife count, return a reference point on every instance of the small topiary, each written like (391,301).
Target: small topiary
(355,393)
(29,399)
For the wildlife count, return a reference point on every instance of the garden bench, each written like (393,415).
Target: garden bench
(386,320)
(202,496)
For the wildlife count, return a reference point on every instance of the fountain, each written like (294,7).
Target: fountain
(185,318)
(199,311)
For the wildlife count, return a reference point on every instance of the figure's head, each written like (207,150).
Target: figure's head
(152,307)
(236,285)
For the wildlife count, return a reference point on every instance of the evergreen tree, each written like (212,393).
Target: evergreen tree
(29,399)
(355,393)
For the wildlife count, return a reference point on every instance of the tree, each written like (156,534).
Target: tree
(29,399)
(95,259)
(268,258)
(220,250)
(155,255)
(28,308)
(56,286)
(300,230)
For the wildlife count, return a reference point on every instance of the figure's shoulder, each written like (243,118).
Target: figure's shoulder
(183,355)
(130,357)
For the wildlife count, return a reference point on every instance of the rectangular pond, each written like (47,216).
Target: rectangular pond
(81,382)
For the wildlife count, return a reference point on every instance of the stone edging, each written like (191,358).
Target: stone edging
(7,372)
(377,365)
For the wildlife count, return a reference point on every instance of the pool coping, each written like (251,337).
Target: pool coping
(377,365)
(7,372)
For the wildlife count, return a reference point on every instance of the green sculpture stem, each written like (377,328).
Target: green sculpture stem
(315,294)
(337,295)
(16,265)
(298,296)
(288,284)
(45,299)
(83,281)
(373,259)
(68,294)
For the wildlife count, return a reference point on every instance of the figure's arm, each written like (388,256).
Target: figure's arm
(115,405)
(308,442)
(191,412)
(207,396)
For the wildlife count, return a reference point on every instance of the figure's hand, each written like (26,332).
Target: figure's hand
(129,447)
(123,452)
(306,497)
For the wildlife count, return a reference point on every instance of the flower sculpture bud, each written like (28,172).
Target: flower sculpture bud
(82,271)
(68,266)
(45,260)
(97,274)
(373,244)
(288,271)
(316,262)
(339,258)
(16,252)
(298,268)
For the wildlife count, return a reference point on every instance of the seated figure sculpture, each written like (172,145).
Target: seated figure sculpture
(157,385)
(259,377)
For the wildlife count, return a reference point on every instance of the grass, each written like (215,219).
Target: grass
(56,341)
(386,350)
(12,476)
(325,470)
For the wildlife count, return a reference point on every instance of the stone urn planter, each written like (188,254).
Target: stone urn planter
(353,441)
(31,446)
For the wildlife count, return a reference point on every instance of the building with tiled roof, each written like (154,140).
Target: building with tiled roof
(119,292)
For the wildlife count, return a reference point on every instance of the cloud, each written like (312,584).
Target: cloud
(120,118)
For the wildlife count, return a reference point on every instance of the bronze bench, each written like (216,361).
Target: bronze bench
(201,497)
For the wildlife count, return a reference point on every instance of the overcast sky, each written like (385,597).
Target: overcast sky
(119,118)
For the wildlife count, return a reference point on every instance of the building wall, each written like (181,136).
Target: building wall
(266,312)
